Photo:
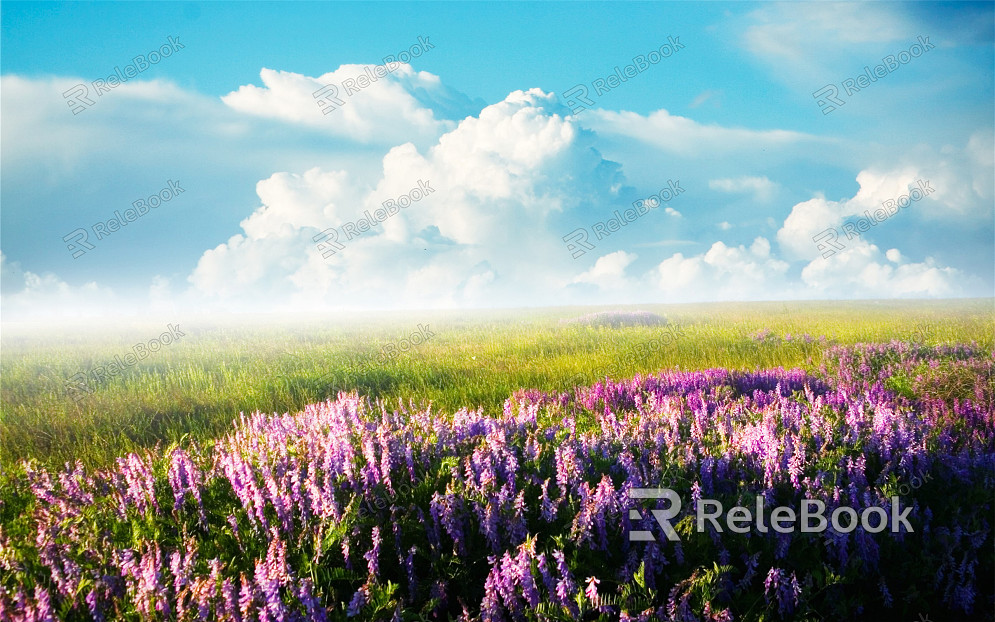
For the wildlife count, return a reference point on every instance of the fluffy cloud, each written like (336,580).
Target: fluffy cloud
(500,186)
(608,271)
(723,272)
(810,218)
(960,193)
(963,178)
(753,273)
(862,271)
(853,266)
(398,106)
(25,294)
(507,182)
(685,137)
(505,185)
(760,187)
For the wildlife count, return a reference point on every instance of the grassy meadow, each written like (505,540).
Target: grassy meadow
(194,388)
(211,478)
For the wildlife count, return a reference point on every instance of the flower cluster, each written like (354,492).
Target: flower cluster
(526,514)
(767,336)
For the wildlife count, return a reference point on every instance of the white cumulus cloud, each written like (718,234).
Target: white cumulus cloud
(400,105)
(487,230)
(760,187)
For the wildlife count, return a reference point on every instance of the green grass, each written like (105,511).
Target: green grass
(194,388)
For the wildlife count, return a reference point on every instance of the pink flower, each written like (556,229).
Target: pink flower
(592,590)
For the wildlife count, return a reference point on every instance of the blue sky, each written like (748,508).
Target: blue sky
(481,114)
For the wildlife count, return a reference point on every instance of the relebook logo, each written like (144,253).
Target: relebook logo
(782,519)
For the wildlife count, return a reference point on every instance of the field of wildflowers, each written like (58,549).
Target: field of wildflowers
(525,515)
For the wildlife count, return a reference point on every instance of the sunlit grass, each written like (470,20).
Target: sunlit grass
(194,388)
